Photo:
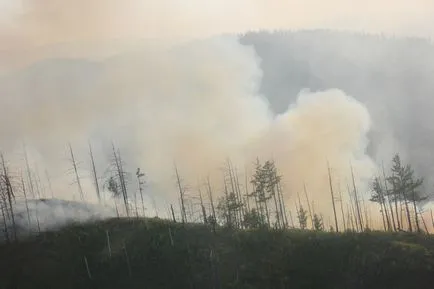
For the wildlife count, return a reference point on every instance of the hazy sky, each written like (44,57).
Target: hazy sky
(188,89)
(46,21)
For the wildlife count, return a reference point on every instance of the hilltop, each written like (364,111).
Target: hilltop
(152,253)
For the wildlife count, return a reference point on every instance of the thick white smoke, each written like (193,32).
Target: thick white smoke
(194,104)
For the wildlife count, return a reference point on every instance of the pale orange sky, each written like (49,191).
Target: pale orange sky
(32,29)
(51,21)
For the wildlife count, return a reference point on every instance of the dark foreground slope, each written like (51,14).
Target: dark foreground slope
(157,254)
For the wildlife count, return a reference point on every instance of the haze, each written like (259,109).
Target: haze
(171,81)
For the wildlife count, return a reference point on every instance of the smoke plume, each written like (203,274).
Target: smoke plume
(164,101)
(194,104)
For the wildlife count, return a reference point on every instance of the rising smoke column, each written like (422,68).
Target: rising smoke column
(319,128)
(195,104)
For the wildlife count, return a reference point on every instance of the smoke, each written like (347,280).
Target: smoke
(165,101)
(52,214)
(33,29)
(194,104)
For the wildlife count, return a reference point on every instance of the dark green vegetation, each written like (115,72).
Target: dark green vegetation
(159,254)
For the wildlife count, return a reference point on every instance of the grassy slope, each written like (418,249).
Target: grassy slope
(255,259)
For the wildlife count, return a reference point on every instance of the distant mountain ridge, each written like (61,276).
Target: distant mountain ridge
(391,76)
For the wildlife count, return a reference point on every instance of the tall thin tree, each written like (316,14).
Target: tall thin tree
(77,177)
(332,197)
(95,176)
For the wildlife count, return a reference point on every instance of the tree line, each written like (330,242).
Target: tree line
(250,203)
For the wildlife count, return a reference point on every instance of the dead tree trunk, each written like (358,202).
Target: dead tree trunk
(49,184)
(120,173)
(359,215)
(139,176)
(284,215)
(95,176)
(202,207)
(407,210)
(29,174)
(10,195)
(353,210)
(342,208)
(333,197)
(181,195)
(211,199)
(416,217)
(228,212)
(173,213)
(5,224)
(26,202)
(388,199)
(123,183)
(77,177)
(237,212)
(308,205)
(432,219)
(242,203)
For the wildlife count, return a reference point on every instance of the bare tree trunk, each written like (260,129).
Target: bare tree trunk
(181,195)
(173,213)
(10,195)
(118,164)
(238,188)
(117,210)
(333,197)
(385,213)
(135,205)
(29,175)
(388,198)
(140,175)
(211,199)
(365,209)
(26,202)
(308,205)
(277,210)
(123,183)
(267,212)
(397,212)
(424,224)
(407,209)
(228,212)
(423,221)
(87,268)
(297,209)
(77,177)
(246,189)
(202,207)
(382,215)
(284,215)
(5,224)
(237,211)
(95,176)
(47,176)
(432,219)
(342,208)
(353,212)
(357,201)
(350,217)
(292,220)
(416,218)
